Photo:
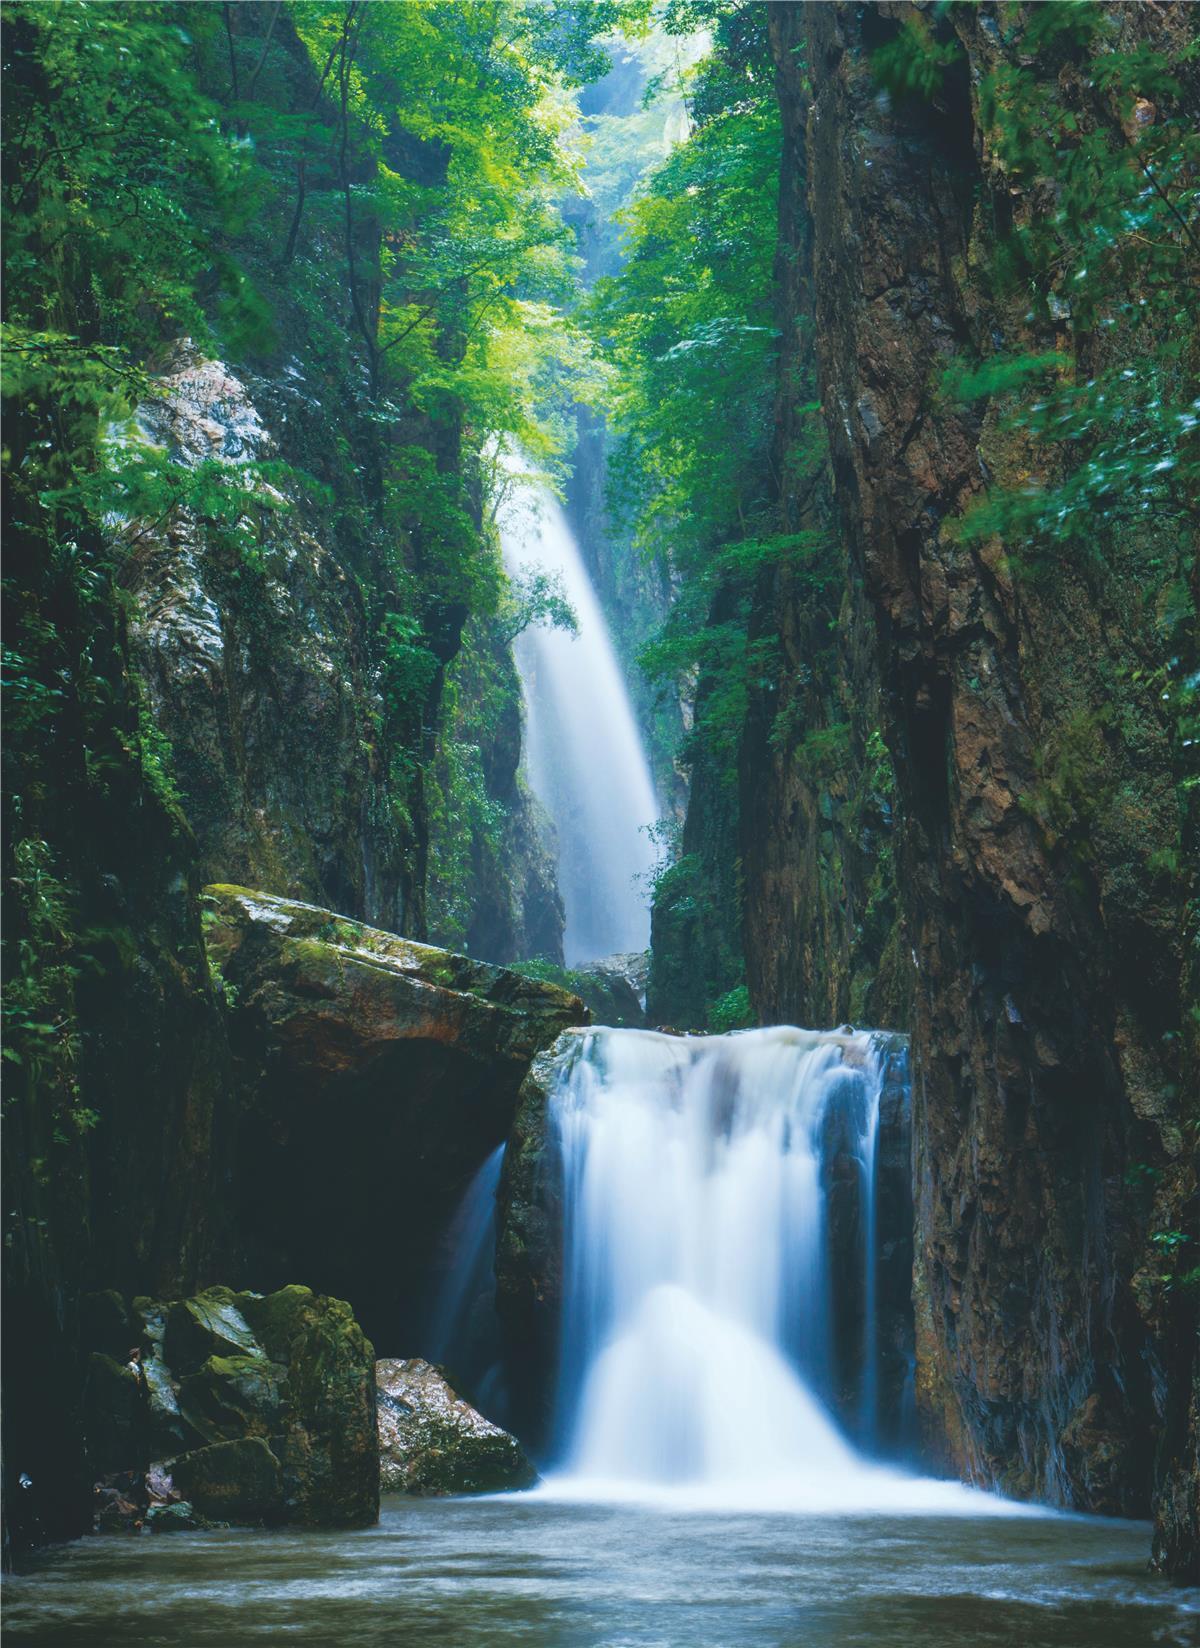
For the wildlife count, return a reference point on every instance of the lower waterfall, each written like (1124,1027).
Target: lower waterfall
(697,1343)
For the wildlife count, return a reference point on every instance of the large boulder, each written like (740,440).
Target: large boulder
(376,1074)
(432,1442)
(614,989)
(238,1407)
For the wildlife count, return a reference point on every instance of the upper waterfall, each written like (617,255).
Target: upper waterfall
(583,751)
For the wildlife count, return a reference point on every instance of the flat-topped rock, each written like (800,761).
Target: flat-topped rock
(335,992)
(374,1075)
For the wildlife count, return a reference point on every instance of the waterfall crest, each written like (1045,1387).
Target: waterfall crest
(583,751)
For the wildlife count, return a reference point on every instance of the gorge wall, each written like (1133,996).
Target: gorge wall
(241,564)
(1038,877)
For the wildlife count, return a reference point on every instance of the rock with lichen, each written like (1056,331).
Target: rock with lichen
(433,1442)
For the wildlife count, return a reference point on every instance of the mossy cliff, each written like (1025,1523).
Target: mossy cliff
(1039,872)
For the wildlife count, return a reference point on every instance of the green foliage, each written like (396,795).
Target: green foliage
(687,327)
(407,667)
(731,1011)
(465,822)
(915,62)
(1110,255)
(535,596)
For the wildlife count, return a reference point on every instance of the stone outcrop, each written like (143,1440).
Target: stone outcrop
(433,1442)
(614,989)
(375,1075)
(231,1407)
(257,658)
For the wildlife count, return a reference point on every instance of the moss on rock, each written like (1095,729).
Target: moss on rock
(432,1442)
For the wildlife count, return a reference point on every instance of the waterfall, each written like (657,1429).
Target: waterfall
(471,1240)
(462,1334)
(583,753)
(697,1343)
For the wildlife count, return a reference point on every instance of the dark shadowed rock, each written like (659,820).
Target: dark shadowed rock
(432,1442)
(377,1074)
(232,1481)
(529,1243)
(250,1407)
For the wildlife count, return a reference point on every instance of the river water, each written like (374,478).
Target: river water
(538,1573)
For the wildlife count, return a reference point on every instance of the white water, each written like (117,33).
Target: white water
(696,1329)
(583,753)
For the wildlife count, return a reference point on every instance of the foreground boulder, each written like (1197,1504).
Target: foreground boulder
(432,1442)
(234,1407)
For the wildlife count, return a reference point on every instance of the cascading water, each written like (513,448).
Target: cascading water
(462,1333)
(697,1309)
(471,1240)
(583,752)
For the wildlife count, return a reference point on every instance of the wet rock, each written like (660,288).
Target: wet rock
(177,1517)
(118,1503)
(233,1396)
(614,989)
(529,1243)
(327,1443)
(232,1481)
(432,1442)
(210,1324)
(297,1382)
(168,1431)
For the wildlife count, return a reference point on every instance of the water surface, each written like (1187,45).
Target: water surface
(524,1571)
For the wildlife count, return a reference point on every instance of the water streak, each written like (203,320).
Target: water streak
(583,752)
(471,1241)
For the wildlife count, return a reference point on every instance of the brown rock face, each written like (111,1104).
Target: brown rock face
(376,1075)
(1047,1139)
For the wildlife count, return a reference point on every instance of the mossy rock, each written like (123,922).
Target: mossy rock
(328,1441)
(208,1324)
(233,1396)
(290,1371)
(431,1442)
(232,1481)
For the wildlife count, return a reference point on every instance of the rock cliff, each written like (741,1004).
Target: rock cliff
(1035,807)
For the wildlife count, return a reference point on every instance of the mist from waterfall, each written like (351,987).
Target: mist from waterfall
(697,1307)
(583,751)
